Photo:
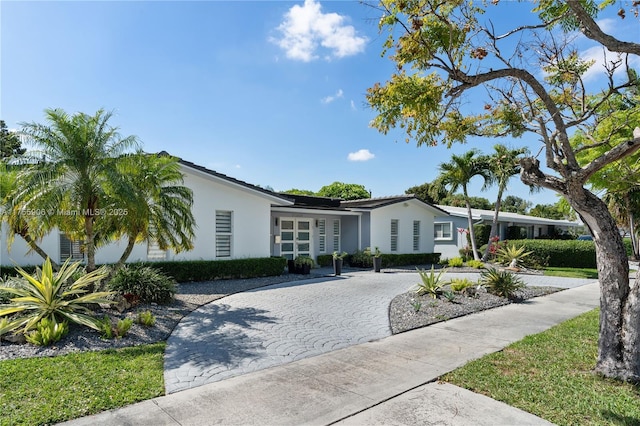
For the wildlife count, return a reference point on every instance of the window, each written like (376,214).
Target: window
(336,235)
(154,252)
(224,229)
(322,239)
(416,235)
(442,230)
(394,234)
(70,249)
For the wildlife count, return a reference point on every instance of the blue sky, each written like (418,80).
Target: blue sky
(270,92)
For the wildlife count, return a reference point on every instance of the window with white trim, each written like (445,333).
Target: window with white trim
(442,231)
(224,233)
(70,249)
(394,234)
(336,235)
(416,235)
(322,235)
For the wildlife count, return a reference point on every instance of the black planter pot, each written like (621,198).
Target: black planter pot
(337,266)
(291,266)
(305,270)
(377,264)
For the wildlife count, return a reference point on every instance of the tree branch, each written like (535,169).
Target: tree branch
(591,29)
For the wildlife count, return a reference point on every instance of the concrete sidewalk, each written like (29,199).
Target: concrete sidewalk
(389,381)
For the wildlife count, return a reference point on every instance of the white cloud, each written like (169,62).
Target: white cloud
(307,27)
(599,55)
(361,155)
(331,98)
(353,105)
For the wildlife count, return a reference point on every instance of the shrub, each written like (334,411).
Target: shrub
(324,260)
(501,283)
(146,318)
(459,284)
(53,295)
(118,329)
(559,253)
(431,283)
(149,284)
(47,331)
(209,270)
(481,232)
(456,262)
(360,259)
(477,264)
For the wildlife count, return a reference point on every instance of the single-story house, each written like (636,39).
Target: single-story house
(236,219)
(450,237)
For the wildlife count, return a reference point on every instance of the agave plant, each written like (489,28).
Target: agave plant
(512,255)
(46,294)
(501,283)
(431,283)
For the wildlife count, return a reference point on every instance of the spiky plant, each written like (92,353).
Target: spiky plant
(56,296)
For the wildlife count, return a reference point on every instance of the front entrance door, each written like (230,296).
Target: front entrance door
(295,238)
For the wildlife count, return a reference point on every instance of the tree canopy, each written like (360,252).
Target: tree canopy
(346,191)
(10,144)
(526,78)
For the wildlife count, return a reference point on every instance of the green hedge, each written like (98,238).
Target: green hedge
(562,253)
(390,260)
(207,270)
(324,260)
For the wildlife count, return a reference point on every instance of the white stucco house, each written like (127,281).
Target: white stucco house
(448,240)
(235,219)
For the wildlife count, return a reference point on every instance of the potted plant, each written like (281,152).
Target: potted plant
(304,264)
(376,257)
(338,259)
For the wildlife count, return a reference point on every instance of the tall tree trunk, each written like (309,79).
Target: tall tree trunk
(619,342)
(90,243)
(632,228)
(35,247)
(472,235)
(125,255)
(494,223)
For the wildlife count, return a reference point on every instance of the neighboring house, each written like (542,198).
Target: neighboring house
(449,230)
(318,225)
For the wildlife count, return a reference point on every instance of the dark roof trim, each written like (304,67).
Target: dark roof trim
(312,201)
(374,203)
(227,178)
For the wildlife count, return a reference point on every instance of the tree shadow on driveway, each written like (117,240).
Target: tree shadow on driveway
(213,335)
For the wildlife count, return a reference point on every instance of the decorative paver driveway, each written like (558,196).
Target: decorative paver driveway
(286,322)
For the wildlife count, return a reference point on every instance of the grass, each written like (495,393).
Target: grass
(550,375)
(571,272)
(49,390)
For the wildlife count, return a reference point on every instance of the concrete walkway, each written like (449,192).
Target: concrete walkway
(386,381)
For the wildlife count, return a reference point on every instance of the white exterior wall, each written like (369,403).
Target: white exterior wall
(250,235)
(250,219)
(406,212)
(449,248)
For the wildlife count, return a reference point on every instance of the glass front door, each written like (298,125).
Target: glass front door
(295,238)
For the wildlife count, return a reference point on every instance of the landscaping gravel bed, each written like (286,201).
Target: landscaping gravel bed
(189,297)
(408,310)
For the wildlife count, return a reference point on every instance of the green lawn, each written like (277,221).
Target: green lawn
(571,272)
(49,390)
(549,374)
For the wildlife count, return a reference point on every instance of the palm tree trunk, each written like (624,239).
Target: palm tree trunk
(472,235)
(494,223)
(125,255)
(90,243)
(35,247)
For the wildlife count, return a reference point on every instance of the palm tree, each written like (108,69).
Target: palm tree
(457,174)
(77,159)
(156,206)
(29,224)
(503,164)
